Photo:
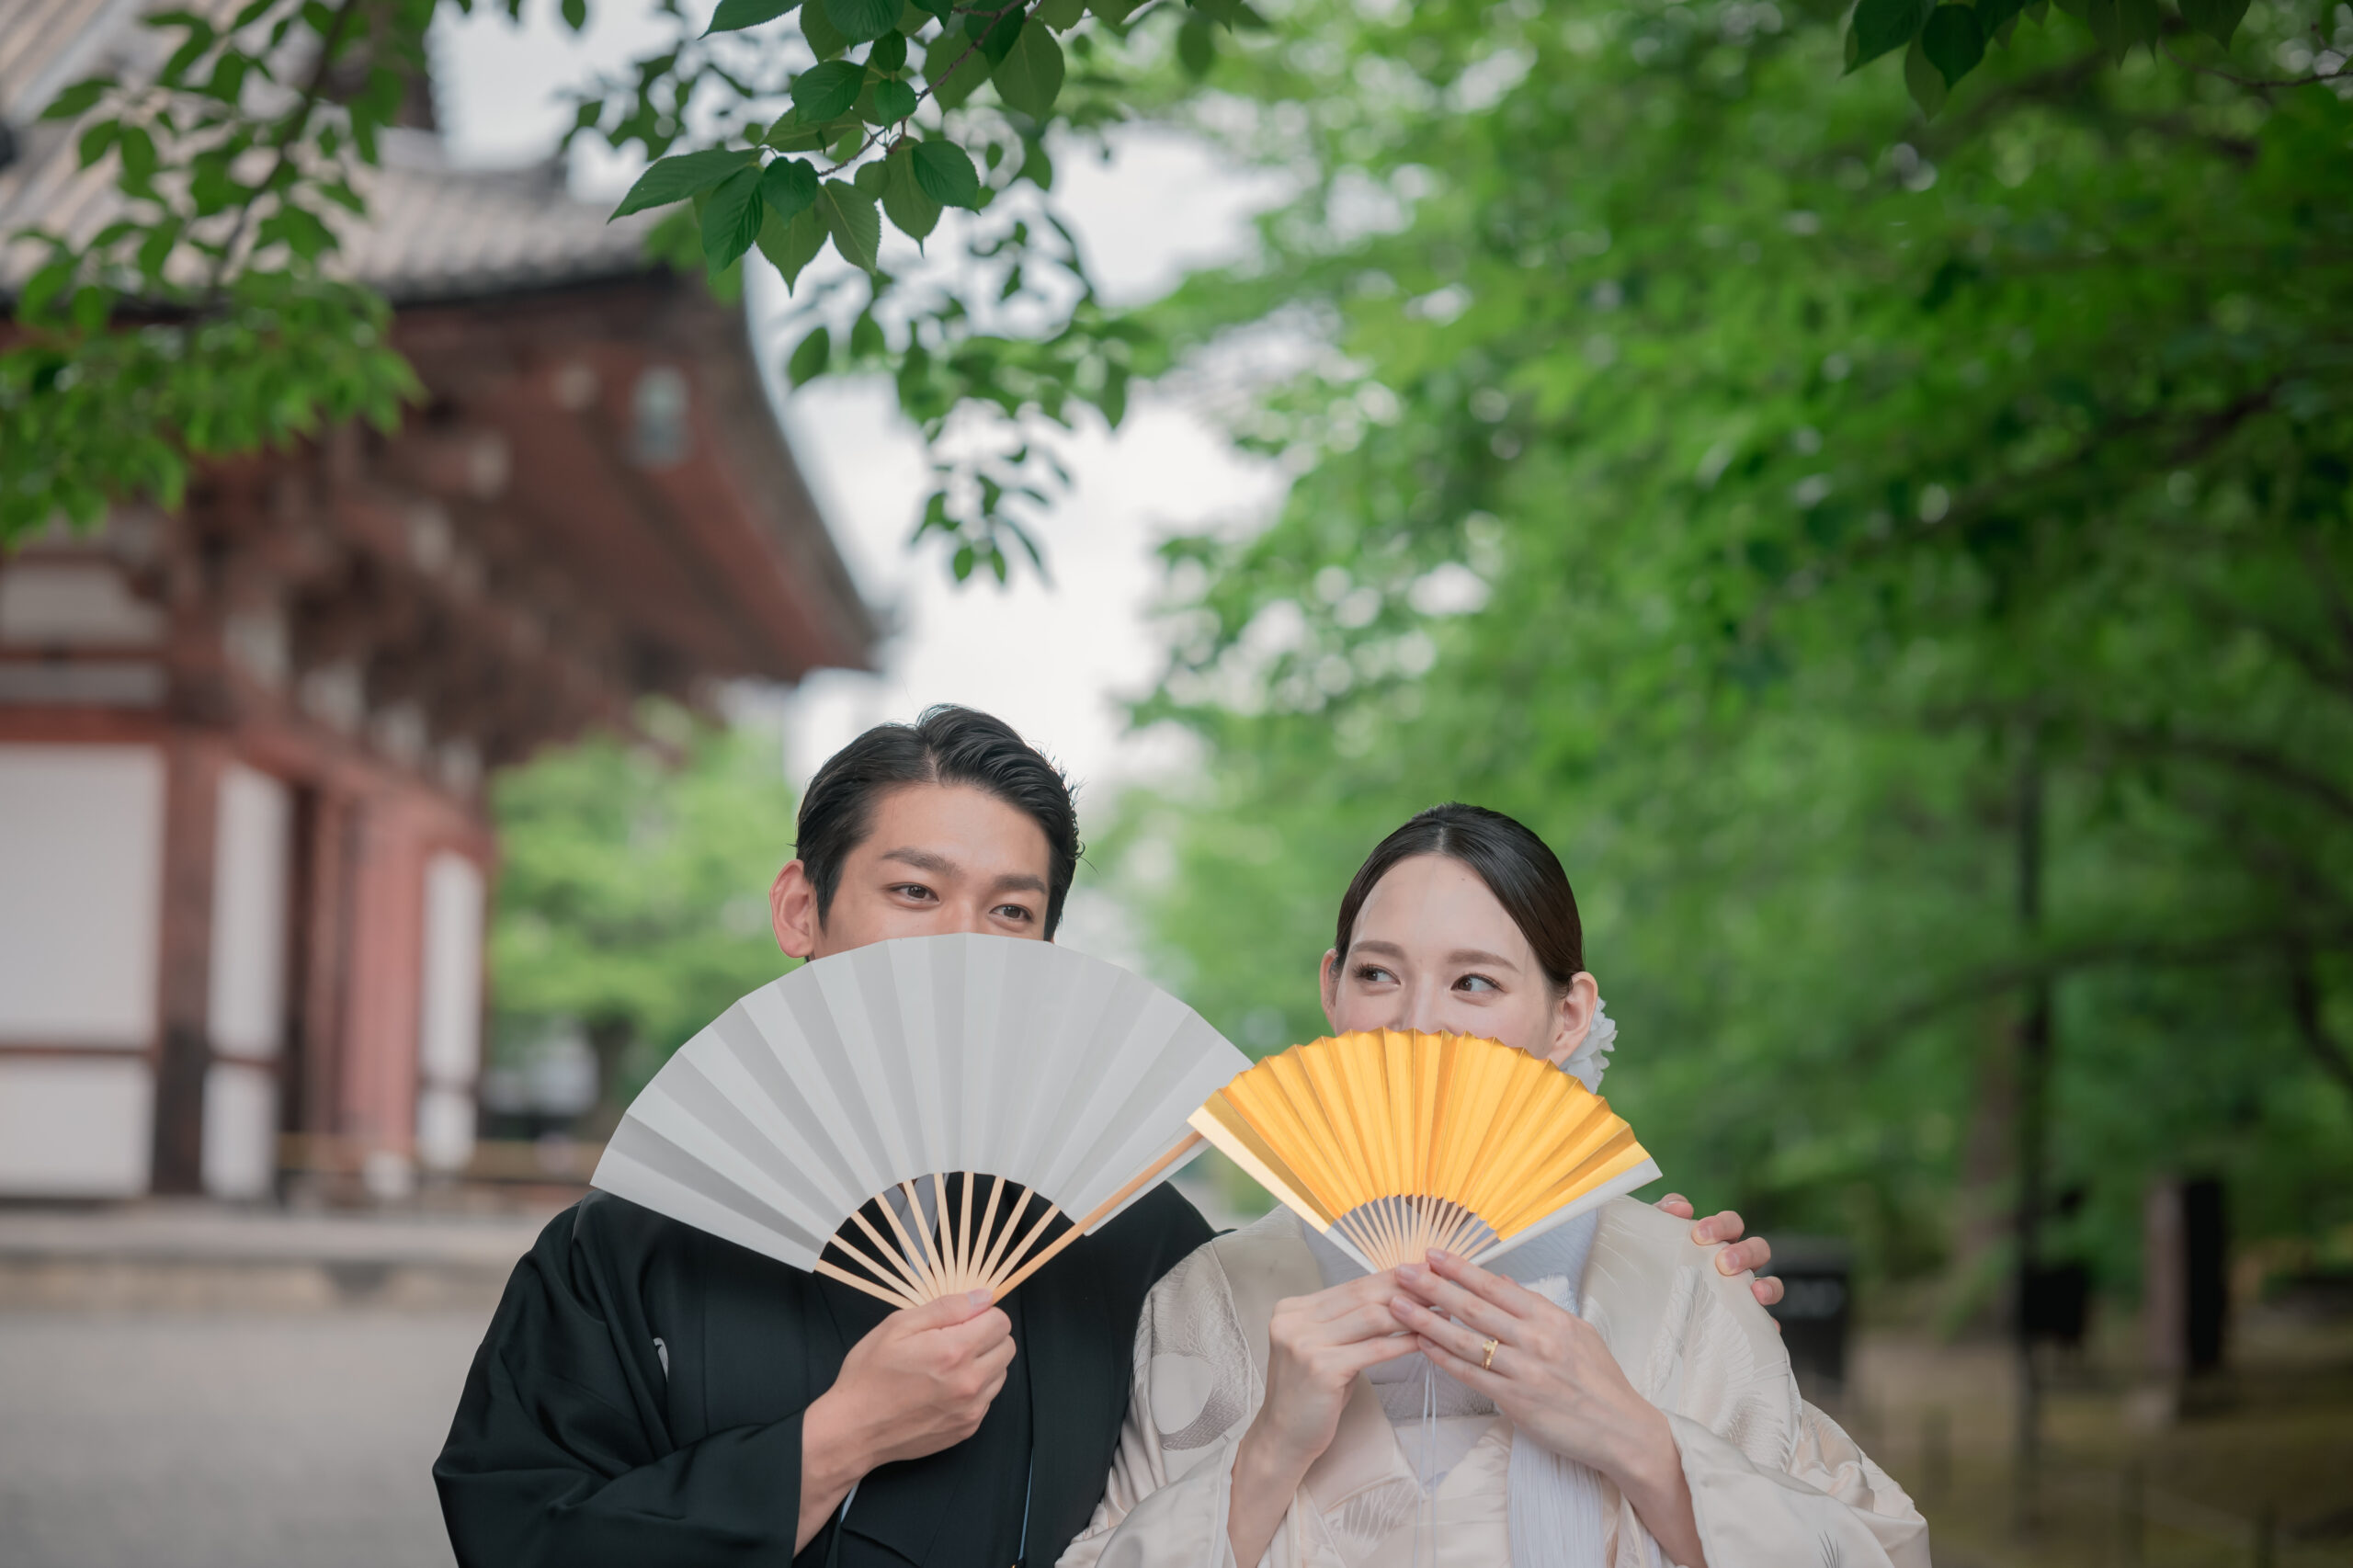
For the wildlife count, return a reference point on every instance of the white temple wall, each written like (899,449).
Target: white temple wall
(449,1046)
(252,854)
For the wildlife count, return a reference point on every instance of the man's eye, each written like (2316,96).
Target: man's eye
(915,891)
(1013,911)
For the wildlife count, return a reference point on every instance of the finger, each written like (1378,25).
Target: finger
(996,1357)
(1744,1256)
(1489,1380)
(1726,1226)
(1455,1336)
(1508,1295)
(1372,1320)
(1341,1300)
(990,1327)
(1767,1288)
(1674,1203)
(1452,1300)
(1373,1352)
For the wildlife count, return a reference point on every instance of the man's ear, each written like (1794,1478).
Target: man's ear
(793,911)
(1573,1017)
(1331,988)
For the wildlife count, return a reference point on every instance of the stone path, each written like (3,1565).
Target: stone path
(170,1441)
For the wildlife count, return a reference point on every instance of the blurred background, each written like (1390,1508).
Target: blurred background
(1903,564)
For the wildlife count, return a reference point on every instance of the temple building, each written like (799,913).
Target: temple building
(244,844)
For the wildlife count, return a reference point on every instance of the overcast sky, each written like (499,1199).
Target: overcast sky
(1054,661)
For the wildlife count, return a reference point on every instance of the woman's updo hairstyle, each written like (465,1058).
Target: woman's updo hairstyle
(1518,869)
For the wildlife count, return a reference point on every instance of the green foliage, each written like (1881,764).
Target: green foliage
(1750,488)
(632,892)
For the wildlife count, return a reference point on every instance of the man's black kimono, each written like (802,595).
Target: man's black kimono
(638,1402)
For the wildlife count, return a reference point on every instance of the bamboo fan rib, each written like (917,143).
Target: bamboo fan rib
(1395,1144)
(924,1115)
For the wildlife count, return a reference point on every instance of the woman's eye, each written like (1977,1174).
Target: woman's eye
(1476,982)
(1373,974)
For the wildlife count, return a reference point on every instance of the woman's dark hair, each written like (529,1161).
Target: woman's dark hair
(1518,869)
(946,746)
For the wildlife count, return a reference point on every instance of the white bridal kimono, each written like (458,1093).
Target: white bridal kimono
(1775,1484)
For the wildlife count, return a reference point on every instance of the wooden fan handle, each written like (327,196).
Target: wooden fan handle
(896,1299)
(1150,1173)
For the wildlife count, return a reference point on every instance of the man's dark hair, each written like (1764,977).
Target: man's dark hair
(946,746)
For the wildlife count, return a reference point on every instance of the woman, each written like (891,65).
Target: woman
(1604,1396)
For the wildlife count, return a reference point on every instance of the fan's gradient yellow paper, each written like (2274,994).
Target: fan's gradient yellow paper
(1394,1144)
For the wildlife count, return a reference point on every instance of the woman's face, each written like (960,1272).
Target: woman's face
(1435,950)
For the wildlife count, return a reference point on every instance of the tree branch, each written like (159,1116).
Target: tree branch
(2304,1001)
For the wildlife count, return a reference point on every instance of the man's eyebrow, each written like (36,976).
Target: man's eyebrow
(1019,881)
(921,860)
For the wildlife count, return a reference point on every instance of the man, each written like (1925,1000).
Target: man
(651,1395)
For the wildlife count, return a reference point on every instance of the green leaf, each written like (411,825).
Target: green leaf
(76,99)
(939,10)
(734,16)
(825,93)
(788,187)
(251,12)
(996,35)
(1994,15)
(97,140)
(869,177)
(2139,22)
(1115,12)
(850,218)
(2218,19)
(1926,83)
(1882,27)
(893,101)
(1030,77)
(1951,40)
(1035,168)
(861,21)
(679,176)
(825,39)
(912,208)
(731,218)
(1197,46)
(790,135)
(866,338)
(954,68)
(137,152)
(2107,25)
(889,54)
(945,172)
(810,357)
(1061,14)
(575,13)
(792,246)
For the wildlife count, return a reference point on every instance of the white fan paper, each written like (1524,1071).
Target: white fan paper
(952,1078)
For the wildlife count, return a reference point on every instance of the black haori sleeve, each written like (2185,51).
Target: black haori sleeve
(563,1450)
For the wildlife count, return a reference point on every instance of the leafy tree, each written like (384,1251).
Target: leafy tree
(632,893)
(790,128)
(1905,567)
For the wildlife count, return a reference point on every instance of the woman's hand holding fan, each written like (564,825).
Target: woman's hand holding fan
(1549,1371)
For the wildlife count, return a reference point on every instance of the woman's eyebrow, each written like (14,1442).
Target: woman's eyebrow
(1479,955)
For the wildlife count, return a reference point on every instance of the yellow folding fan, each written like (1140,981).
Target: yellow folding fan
(1393,1144)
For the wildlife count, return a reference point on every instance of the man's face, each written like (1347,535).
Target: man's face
(936,858)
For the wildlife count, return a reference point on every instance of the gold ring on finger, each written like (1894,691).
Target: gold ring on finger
(1489,1363)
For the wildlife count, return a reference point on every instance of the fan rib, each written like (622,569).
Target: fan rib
(898,1259)
(989,1270)
(852,1280)
(908,1248)
(930,1259)
(948,1264)
(964,1234)
(1029,1238)
(907,1293)
(1149,1175)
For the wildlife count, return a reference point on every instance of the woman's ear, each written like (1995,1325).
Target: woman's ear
(792,910)
(1331,988)
(1573,1015)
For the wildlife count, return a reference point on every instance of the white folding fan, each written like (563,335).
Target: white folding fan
(923,1116)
